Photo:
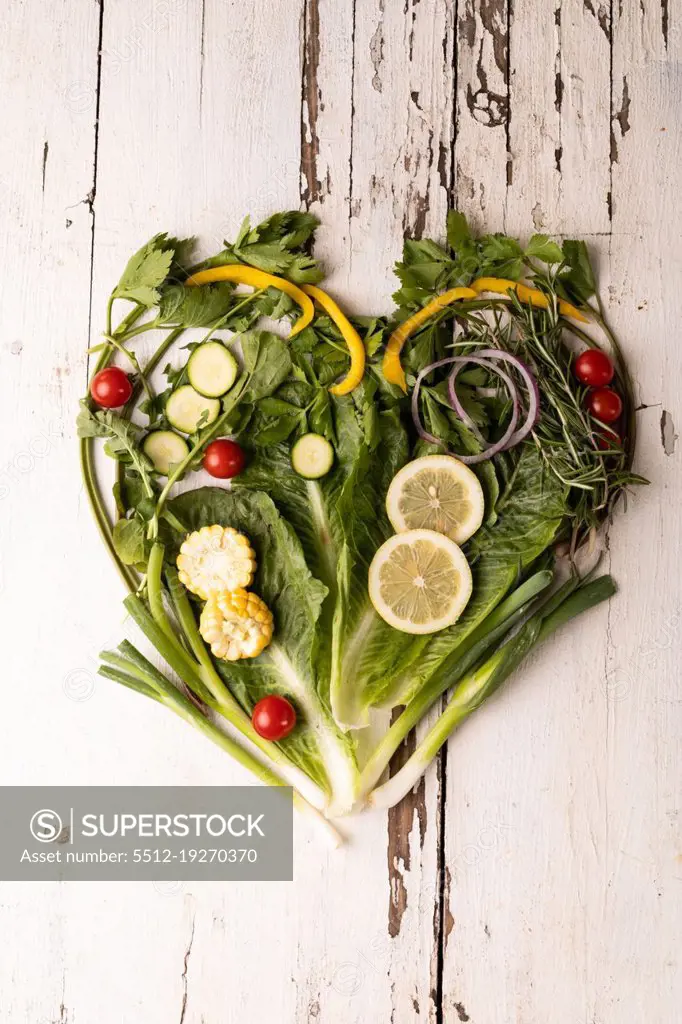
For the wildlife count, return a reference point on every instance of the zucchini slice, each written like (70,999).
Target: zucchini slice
(186,409)
(165,448)
(212,369)
(312,456)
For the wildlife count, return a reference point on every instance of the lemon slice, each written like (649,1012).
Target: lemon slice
(419,581)
(436,492)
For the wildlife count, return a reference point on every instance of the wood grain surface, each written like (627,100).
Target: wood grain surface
(535,874)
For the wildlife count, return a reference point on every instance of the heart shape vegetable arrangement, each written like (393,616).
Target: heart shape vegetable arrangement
(255,594)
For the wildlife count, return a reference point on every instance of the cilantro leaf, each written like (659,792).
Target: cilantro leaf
(291,228)
(122,439)
(273,258)
(243,232)
(182,253)
(458,233)
(195,307)
(267,256)
(500,256)
(499,248)
(424,265)
(576,281)
(423,250)
(427,269)
(147,269)
(542,247)
(306,341)
(274,246)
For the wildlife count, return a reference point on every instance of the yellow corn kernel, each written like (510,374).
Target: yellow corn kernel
(216,558)
(236,624)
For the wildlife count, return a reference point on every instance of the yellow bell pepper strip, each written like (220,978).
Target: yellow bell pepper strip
(350,336)
(533,295)
(391,366)
(241,274)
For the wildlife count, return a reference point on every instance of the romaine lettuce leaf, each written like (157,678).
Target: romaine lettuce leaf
(288,665)
(340,521)
(364,648)
(311,507)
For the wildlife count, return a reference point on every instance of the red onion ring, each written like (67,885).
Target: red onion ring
(486,358)
(419,427)
(530,382)
(461,411)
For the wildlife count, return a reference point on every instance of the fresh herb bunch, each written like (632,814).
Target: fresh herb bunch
(427,267)
(594,463)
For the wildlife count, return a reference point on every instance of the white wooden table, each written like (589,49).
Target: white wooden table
(537,875)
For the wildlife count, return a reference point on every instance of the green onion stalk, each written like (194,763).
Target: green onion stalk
(87,449)
(131,669)
(479,684)
(481,639)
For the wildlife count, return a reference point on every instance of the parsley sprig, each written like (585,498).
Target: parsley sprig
(427,267)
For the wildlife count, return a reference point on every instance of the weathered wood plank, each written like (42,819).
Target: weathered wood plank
(582,100)
(216,137)
(327,133)
(534,115)
(482,144)
(377,134)
(402,139)
(553,888)
(643,770)
(402,132)
(48,78)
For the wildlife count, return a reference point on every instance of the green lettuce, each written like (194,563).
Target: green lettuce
(364,647)
(288,666)
(340,520)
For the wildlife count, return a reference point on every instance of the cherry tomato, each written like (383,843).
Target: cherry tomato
(273,717)
(224,458)
(594,368)
(604,404)
(111,388)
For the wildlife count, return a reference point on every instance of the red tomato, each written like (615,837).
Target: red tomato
(594,368)
(111,388)
(273,717)
(604,404)
(224,459)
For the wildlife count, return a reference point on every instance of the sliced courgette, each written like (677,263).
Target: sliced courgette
(212,369)
(165,449)
(187,410)
(312,456)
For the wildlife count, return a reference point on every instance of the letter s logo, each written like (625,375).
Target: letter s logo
(45,825)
